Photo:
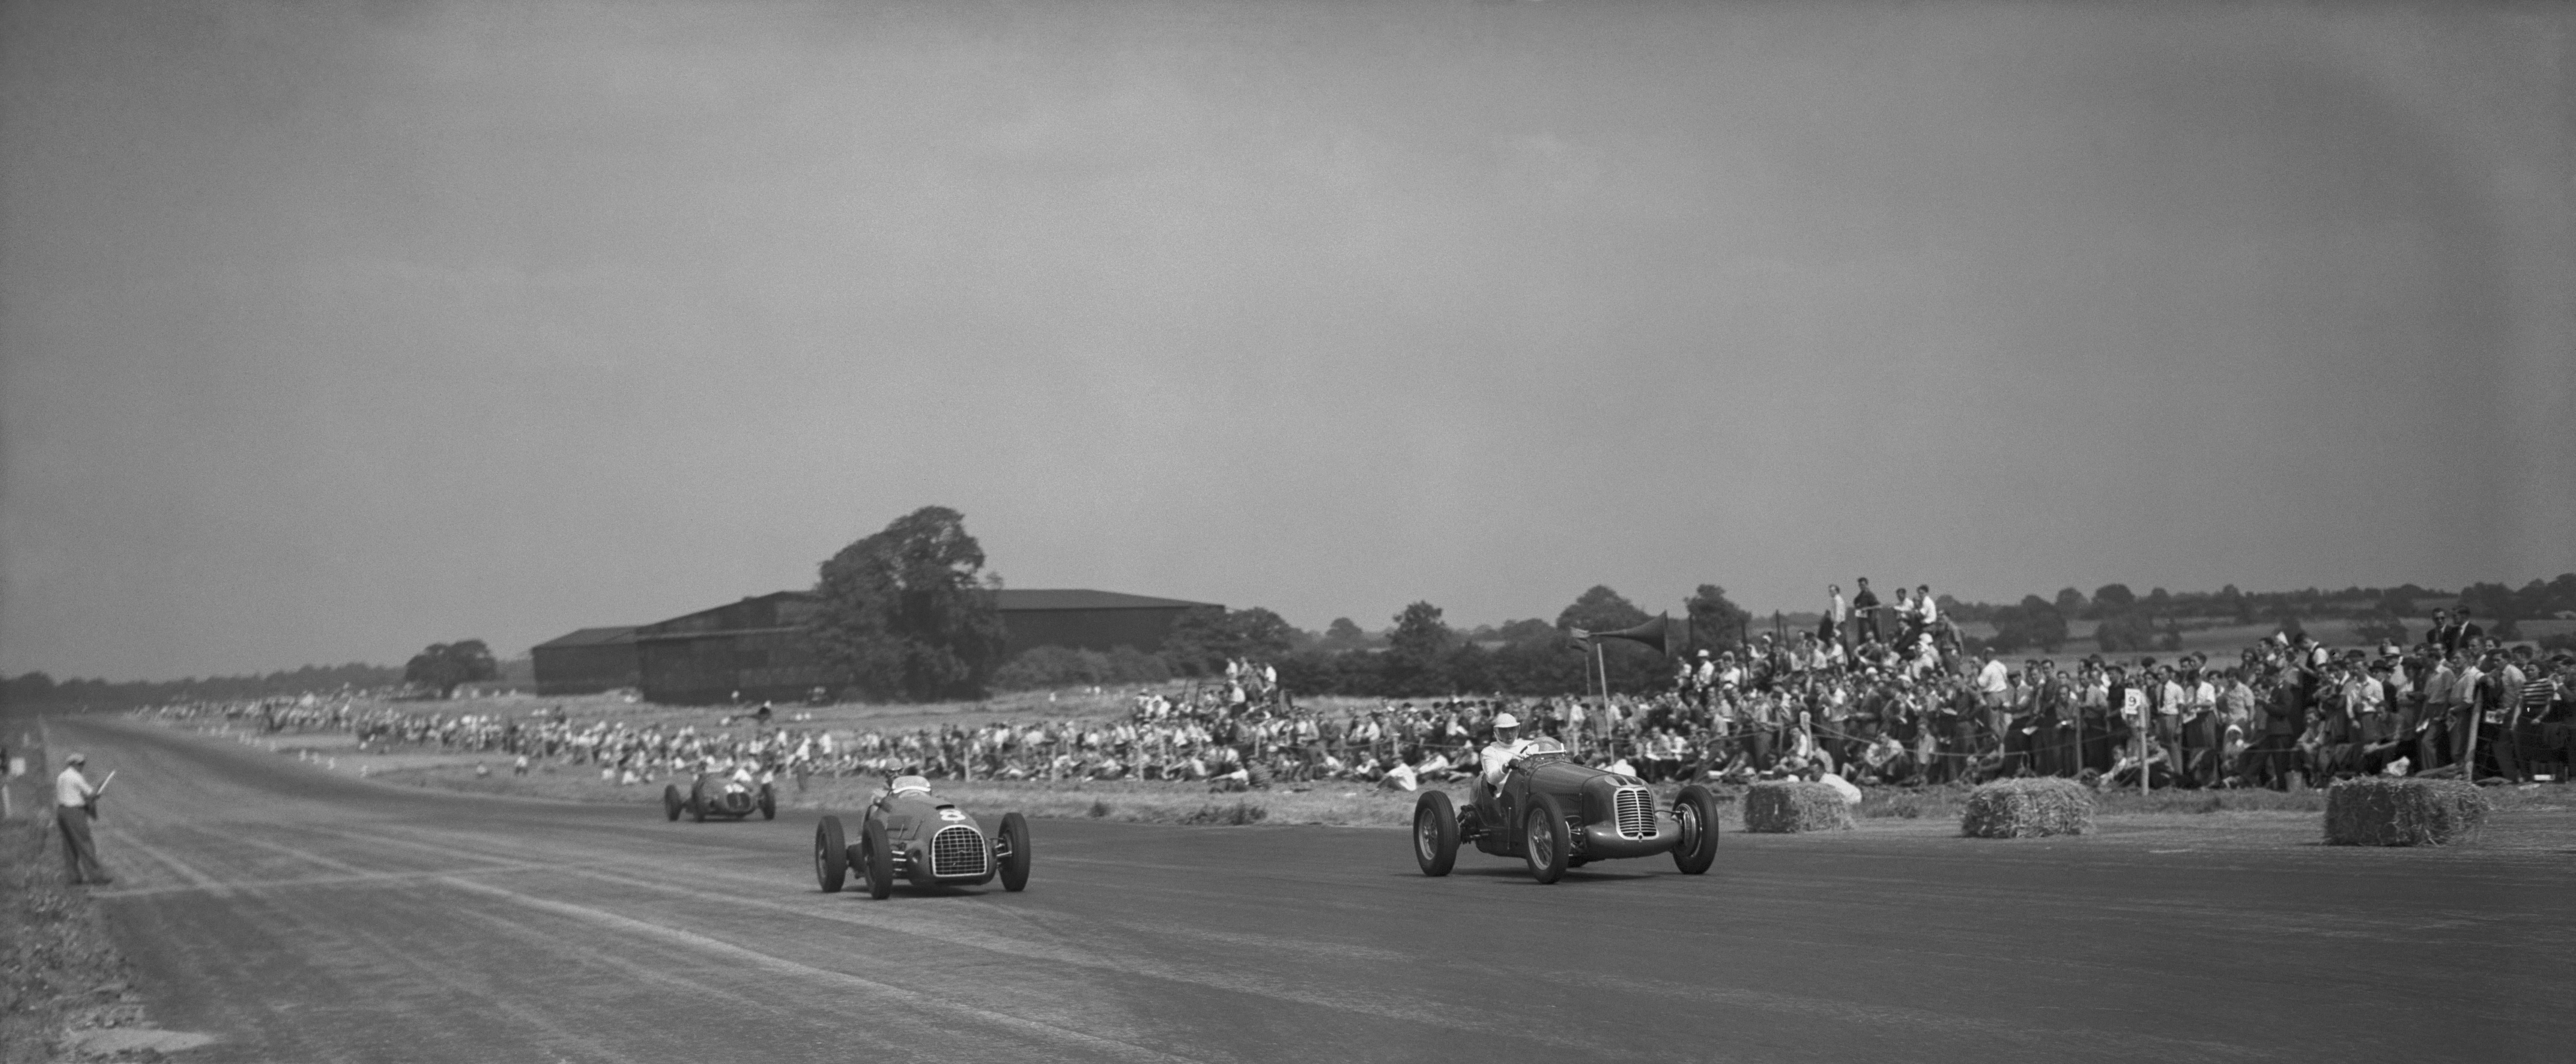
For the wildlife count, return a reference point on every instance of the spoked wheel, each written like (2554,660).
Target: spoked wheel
(1435,833)
(1546,841)
(1015,868)
(880,853)
(831,855)
(1696,809)
(671,801)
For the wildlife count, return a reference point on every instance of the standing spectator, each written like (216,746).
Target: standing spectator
(75,805)
(1864,614)
(1836,612)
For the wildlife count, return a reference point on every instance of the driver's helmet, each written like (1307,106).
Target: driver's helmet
(1505,720)
(910,785)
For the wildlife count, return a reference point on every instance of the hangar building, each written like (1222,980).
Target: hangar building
(587,661)
(755,647)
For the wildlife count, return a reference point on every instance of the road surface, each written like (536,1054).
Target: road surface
(301,916)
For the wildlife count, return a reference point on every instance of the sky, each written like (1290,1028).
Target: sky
(331,330)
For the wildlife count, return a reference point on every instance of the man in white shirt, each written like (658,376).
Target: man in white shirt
(1507,745)
(75,805)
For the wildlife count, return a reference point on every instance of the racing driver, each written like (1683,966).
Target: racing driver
(1507,745)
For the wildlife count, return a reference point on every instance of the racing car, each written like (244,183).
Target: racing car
(716,795)
(907,832)
(1556,814)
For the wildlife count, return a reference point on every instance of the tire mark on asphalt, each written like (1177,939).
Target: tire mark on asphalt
(1464,1018)
(195,878)
(780,965)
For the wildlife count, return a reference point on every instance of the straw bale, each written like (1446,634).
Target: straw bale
(1785,806)
(2027,808)
(2382,811)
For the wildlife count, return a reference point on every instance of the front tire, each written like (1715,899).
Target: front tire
(768,803)
(1696,809)
(831,855)
(698,803)
(671,801)
(880,867)
(1015,868)
(1435,833)
(1545,840)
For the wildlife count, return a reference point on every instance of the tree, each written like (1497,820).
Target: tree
(2070,602)
(2125,632)
(2112,598)
(1601,610)
(1715,622)
(447,666)
(907,613)
(1419,633)
(1417,651)
(1202,640)
(1343,634)
(2033,623)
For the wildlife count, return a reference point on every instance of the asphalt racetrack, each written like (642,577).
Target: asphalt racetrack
(301,916)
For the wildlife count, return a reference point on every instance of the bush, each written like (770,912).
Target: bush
(1052,666)
(1787,806)
(1236,815)
(2383,811)
(2027,808)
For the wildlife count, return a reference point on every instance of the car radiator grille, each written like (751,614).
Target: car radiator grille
(957,851)
(1634,810)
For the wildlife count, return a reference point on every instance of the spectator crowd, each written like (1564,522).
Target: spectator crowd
(1877,693)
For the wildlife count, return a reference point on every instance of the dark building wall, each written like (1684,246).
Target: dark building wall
(708,669)
(582,670)
(1106,629)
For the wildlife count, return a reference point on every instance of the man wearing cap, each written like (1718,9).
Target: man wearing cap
(1507,745)
(75,805)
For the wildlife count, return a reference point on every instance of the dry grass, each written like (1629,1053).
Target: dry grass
(2402,812)
(1787,806)
(58,970)
(2027,808)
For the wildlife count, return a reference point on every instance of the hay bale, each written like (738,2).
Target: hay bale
(2026,809)
(2380,811)
(1784,806)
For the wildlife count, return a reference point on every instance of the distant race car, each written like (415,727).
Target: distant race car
(712,794)
(909,833)
(1556,814)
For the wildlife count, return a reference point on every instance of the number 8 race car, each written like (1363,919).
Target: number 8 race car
(1556,815)
(906,832)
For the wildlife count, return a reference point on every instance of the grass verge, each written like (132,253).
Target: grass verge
(59,973)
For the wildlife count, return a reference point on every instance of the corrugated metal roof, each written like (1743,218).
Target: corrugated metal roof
(1014,599)
(591,637)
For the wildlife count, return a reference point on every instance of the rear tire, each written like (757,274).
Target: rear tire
(671,801)
(1015,868)
(831,855)
(768,803)
(880,859)
(1545,840)
(698,802)
(1435,833)
(1697,811)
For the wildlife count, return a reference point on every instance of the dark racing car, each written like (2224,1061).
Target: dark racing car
(910,834)
(714,795)
(1556,814)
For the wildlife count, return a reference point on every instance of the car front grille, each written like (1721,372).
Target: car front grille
(1634,810)
(957,851)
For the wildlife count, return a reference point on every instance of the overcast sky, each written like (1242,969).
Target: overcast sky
(332,330)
